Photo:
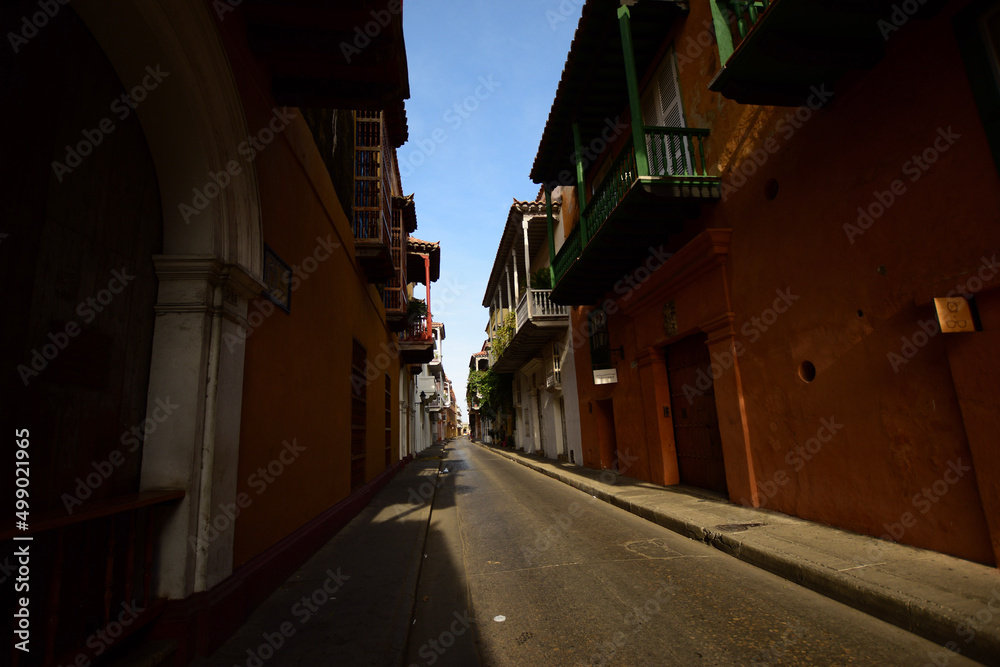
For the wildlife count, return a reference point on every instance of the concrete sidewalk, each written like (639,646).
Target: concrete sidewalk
(951,601)
(352,602)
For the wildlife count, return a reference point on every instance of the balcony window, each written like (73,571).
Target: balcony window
(663,107)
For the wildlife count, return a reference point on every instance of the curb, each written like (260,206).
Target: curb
(413,578)
(933,623)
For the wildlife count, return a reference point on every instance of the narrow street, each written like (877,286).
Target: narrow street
(551,576)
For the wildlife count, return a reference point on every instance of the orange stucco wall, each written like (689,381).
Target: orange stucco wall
(905,456)
(297,375)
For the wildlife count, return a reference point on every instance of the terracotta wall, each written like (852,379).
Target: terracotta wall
(879,432)
(297,400)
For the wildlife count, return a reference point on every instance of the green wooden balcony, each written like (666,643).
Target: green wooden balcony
(780,52)
(629,211)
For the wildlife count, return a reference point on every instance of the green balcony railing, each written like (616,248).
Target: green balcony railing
(675,154)
(742,15)
(619,180)
(567,254)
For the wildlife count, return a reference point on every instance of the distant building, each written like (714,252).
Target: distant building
(537,348)
(478,422)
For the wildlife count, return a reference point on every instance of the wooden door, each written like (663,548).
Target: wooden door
(696,422)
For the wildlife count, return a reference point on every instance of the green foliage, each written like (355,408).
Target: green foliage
(541,279)
(416,308)
(493,391)
(503,336)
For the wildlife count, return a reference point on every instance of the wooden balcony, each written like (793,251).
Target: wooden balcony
(778,52)
(631,212)
(89,569)
(416,345)
(372,211)
(395,296)
(539,321)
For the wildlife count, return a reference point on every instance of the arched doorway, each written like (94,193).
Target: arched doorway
(82,213)
(197,271)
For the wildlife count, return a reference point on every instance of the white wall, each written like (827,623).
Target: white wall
(571,399)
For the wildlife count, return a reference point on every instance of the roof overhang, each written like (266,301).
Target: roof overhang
(408,211)
(334,54)
(416,250)
(512,241)
(593,90)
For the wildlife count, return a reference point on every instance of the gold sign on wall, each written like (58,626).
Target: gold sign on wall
(954,314)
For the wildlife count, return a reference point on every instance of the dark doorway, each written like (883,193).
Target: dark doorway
(696,422)
(605,413)
(81,220)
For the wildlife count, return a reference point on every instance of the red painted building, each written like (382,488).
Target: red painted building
(773,195)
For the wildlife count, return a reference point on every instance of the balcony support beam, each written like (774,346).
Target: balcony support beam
(638,135)
(723,35)
(580,183)
(427,281)
(552,238)
(527,253)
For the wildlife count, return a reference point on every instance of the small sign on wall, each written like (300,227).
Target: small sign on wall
(954,315)
(278,278)
(606,376)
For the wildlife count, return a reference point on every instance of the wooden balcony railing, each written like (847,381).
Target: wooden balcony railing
(394,299)
(537,304)
(372,212)
(91,577)
(372,188)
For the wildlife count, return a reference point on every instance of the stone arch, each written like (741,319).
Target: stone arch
(211,267)
(194,121)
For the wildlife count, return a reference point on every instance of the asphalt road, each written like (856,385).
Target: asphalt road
(524,570)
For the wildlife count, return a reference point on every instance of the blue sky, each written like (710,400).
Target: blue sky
(483,75)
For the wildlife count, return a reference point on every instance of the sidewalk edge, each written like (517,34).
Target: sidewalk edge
(937,624)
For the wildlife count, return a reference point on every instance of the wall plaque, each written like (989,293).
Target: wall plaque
(278,278)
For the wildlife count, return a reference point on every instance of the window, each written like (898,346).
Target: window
(359,415)
(388,421)
(600,342)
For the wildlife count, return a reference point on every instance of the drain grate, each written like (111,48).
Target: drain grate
(739,527)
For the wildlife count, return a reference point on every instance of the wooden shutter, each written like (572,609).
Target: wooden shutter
(662,106)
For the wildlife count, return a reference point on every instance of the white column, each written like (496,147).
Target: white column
(197,364)
(527,262)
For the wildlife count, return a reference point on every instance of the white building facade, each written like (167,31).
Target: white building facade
(539,350)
